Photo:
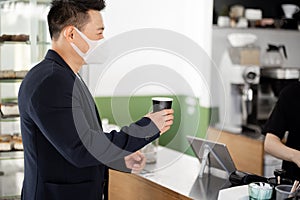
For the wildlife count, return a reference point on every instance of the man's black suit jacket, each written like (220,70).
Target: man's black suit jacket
(66,153)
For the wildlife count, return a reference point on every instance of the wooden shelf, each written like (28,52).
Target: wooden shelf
(251,29)
(8,116)
(27,1)
(23,42)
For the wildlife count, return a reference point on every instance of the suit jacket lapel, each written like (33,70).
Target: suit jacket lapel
(89,98)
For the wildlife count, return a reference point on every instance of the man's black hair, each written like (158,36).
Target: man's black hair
(70,12)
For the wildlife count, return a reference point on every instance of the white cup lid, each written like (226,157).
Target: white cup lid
(162,99)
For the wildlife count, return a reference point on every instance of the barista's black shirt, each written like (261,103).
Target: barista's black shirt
(285,117)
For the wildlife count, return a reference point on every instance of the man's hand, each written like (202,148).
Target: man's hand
(162,119)
(136,162)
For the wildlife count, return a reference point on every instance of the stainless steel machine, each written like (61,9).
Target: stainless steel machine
(238,111)
(251,92)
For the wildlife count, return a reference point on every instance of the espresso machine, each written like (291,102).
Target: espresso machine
(251,92)
(238,109)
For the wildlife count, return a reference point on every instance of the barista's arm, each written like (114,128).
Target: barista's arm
(275,147)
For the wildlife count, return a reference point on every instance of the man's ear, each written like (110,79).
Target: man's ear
(68,33)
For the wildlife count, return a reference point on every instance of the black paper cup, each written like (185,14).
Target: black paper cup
(161,103)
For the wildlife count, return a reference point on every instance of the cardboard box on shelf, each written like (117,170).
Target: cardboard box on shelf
(245,55)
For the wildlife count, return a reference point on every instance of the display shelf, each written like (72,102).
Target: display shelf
(12,119)
(27,42)
(11,198)
(32,44)
(9,100)
(14,42)
(26,1)
(11,155)
(11,142)
(23,42)
(12,76)
(11,80)
(8,116)
(253,29)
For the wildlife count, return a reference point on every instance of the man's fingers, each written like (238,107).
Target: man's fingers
(167,111)
(162,119)
(169,118)
(141,155)
(136,166)
(137,156)
(169,123)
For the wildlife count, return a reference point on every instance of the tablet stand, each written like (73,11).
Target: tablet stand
(207,151)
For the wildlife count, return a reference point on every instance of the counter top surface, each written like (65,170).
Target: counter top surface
(174,170)
(179,172)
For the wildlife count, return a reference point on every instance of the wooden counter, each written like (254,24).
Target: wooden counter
(171,177)
(124,186)
(174,176)
(247,153)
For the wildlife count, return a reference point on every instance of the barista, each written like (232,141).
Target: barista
(285,118)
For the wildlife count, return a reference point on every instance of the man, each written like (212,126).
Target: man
(66,152)
(285,118)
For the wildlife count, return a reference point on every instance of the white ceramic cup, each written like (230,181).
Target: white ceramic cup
(223,21)
(289,10)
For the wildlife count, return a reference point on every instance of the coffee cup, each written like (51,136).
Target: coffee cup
(289,10)
(161,103)
(150,150)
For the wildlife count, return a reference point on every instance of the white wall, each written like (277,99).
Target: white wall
(192,18)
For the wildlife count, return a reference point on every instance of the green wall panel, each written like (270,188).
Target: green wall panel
(190,118)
